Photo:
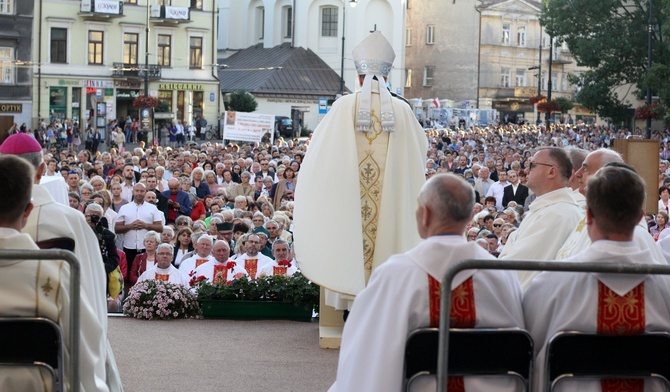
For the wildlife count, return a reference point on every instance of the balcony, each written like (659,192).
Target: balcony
(166,14)
(135,71)
(101,9)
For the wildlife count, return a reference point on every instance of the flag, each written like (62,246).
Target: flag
(419,103)
(436,102)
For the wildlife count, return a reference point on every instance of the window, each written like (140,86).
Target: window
(564,82)
(506,29)
(408,78)
(196,4)
(164,49)
(543,80)
(164,2)
(288,22)
(430,35)
(520,78)
(521,37)
(58,45)
(554,81)
(260,22)
(95,46)
(428,76)
(408,36)
(504,77)
(131,1)
(329,22)
(195,55)
(7,7)
(7,65)
(130,41)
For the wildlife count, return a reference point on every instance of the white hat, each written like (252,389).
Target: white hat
(374,57)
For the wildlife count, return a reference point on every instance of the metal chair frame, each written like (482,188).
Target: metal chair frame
(470,264)
(74,291)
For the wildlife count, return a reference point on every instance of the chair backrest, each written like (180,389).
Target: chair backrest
(30,341)
(472,352)
(576,354)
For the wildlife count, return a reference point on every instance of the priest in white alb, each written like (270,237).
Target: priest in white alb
(403,294)
(374,147)
(163,269)
(220,270)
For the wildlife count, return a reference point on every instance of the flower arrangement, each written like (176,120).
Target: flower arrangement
(145,101)
(155,299)
(548,106)
(536,99)
(656,111)
(296,289)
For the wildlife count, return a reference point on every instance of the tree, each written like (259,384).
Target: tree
(241,101)
(564,104)
(610,38)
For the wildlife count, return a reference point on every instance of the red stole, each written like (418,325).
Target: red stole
(220,274)
(461,315)
(279,270)
(163,277)
(621,315)
(199,262)
(251,265)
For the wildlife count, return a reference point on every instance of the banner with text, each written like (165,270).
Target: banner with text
(248,127)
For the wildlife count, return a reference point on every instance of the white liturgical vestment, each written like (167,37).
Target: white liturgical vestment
(215,273)
(376,176)
(397,301)
(40,288)
(170,275)
(556,302)
(549,222)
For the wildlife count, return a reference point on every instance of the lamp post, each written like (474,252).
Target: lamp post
(650,30)
(549,84)
(352,4)
(146,53)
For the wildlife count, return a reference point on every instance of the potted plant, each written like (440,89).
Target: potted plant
(268,297)
(158,300)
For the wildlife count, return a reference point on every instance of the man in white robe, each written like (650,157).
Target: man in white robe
(163,269)
(401,296)
(253,261)
(203,254)
(556,302)
(219,271)
(282,264)
(40,288)
(579,238)
(49,220)
(373,145)
(552,215)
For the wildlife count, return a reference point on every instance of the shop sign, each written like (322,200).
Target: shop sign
(127,93)
(176,12)
(127,83)
(11,107)
(99,83)
(65,82)
(181,86)
(108,7)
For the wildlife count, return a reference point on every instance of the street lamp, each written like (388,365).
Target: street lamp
(650,30)
(352,4)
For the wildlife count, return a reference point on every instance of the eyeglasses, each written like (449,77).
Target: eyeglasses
(496,225)
(533,165)
(72,172)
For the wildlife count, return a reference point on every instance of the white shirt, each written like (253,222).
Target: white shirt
(127,192)
(128,213)
(497,189)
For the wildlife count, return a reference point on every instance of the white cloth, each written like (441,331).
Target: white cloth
(52,220)
(335,138)
(111,215)
(57,187)
(263,261)
(188,265)
(207,270)
(556,302)
(129,213)
(175,276)
(497,190)
(31,288)
(550,221)
(127,192)
(396,302)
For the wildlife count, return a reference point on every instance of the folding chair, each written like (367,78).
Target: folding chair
(472,352)
(33,342)
(586,355)
(46,352)
(444,365)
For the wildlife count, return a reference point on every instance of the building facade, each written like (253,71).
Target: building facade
(329,28)
(94,56)
(16,31)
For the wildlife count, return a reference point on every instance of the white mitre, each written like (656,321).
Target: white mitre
(374,57)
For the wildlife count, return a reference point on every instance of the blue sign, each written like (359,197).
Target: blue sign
(211,97)
(323,105)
